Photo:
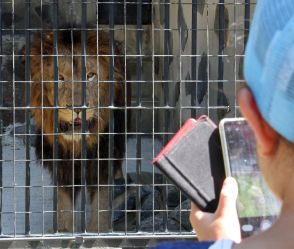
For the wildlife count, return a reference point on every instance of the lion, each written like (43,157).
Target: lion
(98,101)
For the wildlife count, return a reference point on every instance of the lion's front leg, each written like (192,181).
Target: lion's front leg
(65,212)
(99,217)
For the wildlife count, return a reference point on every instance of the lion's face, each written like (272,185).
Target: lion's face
(75,96)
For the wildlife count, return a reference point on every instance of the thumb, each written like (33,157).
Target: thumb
(228,197)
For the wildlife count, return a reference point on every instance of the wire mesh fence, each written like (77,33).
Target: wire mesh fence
(89,93)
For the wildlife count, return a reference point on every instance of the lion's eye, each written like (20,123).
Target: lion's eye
(91,76)
(61,78)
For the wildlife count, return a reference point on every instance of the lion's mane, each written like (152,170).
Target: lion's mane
(42,108)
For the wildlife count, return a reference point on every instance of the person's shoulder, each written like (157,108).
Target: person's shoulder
(220,244)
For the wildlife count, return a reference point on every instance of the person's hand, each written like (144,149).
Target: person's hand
(224,223)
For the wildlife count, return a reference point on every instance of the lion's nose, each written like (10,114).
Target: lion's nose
(77,110)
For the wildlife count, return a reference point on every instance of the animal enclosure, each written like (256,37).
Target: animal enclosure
(90,91)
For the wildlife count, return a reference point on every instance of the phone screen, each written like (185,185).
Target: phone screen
(256,205)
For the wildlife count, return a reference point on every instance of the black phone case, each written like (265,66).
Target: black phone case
(193,161)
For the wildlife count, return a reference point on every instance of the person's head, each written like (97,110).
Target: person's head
(269,105)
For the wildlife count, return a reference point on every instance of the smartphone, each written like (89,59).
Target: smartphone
(257,207)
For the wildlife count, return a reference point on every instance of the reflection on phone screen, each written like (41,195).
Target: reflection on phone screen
(256,204)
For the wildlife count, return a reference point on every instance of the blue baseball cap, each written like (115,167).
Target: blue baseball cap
(269,63)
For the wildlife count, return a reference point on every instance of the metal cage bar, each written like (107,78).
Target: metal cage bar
(42,125)
(221,98)
(112,7)
(247,21)
(74,171)
(14,118)
(84,104)
(166,76)
(221,33)
(27,114)
(55,119)
(138,113)
(125,206)
(1,119)
(98,110)
(194,58)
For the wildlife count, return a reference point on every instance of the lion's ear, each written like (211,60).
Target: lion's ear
(48,37)
(47,42)
(23,54)
(22,57)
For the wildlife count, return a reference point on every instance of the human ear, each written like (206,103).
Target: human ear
(266,137)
